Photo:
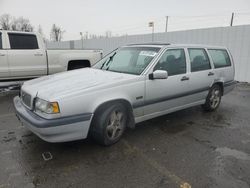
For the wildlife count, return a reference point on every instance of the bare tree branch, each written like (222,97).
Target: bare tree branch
(21,24)
(8,22)
(56,33)
(5,22)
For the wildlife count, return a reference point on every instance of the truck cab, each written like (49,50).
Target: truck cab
(23,55)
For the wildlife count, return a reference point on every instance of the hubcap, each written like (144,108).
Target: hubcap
(215,98)
(115,125)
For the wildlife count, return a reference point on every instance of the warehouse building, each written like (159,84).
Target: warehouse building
(236,38)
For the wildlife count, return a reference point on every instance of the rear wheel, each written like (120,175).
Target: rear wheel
(109,124)
(213,99)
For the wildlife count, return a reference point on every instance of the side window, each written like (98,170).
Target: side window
(220,58)
(198,59)
(1,46)
(173,61)
(22,41)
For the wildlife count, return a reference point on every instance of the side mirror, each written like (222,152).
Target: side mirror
(158,74)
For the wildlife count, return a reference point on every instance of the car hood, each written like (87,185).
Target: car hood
(73,81)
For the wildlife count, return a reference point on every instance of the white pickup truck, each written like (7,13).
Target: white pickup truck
(23,55)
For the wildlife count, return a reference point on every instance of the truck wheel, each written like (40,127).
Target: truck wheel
(213,99)
(109,124)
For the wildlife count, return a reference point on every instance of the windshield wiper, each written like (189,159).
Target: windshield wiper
(107,62)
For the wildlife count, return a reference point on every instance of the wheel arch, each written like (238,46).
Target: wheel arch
(126,103)
(220,84)
(75,62)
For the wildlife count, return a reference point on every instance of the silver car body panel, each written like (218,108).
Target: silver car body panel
(83,91)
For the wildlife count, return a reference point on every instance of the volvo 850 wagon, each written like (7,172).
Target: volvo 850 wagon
(132,84)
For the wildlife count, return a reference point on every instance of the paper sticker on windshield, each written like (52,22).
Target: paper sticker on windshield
(148,53)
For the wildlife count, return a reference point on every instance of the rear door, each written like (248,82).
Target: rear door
(4,68)
(24,56)
(202,74)
(223,66)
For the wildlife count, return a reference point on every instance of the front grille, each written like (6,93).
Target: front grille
(26,99)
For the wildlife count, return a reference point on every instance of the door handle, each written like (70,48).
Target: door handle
(184,78)
(38,54)
(2,54)
(210,74)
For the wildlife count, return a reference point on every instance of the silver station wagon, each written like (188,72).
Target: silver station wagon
(132,84)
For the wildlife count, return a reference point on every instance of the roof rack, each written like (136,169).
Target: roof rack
(151,43)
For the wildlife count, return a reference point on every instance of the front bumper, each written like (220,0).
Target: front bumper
(54,130)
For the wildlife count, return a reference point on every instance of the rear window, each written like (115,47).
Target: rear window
(1,46)
(220,58)
(22,41)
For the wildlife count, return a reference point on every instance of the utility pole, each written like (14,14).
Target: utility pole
(151,24)
(232,19)
(87,35)
(166,29)
(81,39)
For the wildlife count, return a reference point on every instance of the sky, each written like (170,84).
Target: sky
(126,16)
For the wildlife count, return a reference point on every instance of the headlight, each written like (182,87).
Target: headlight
(46,107)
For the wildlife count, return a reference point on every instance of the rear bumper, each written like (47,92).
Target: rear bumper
(54,130)
(229,86)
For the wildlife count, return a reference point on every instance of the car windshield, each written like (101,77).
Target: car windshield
(130,60)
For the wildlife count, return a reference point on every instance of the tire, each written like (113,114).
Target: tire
(109,124)
(213,98)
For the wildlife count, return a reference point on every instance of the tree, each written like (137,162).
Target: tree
(21,24)
(40,30)
(8,22)
(108,34)
(56,33)
(5,22)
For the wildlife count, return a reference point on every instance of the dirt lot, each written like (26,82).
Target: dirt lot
(182,149)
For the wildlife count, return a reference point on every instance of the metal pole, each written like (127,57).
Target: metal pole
(82,42)
(166,29)
(153,33)
(151,24)
(232,20)
(81,39)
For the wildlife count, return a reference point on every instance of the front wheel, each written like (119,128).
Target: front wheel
(109,124)
(213,99)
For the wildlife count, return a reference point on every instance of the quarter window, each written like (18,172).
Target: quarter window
(1,46)
(199,60)
(23,41)
(173,61)
(220,58)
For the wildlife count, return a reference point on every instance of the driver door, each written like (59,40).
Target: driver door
(163,95)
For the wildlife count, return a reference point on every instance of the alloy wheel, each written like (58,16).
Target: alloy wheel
(215,98)
(115,125)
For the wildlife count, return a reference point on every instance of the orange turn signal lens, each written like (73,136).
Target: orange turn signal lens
(55,107)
